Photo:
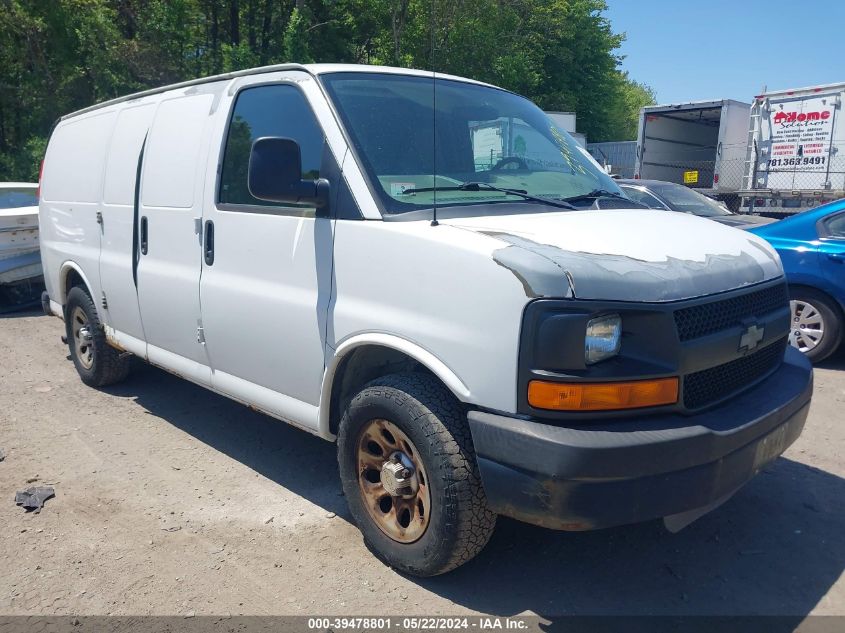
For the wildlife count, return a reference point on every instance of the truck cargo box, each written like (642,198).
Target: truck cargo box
(700,144)
(794,160)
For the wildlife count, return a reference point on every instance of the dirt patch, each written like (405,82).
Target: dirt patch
(172,500)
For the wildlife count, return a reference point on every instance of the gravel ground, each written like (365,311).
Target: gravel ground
(171,500)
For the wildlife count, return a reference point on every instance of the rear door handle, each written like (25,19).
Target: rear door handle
(144,237)
(209,243)
(839,258)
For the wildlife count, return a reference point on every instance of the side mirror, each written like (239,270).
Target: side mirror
(275,175)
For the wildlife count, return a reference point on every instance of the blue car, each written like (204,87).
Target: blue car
(812,247)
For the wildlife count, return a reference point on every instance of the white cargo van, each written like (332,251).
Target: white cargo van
(319,243)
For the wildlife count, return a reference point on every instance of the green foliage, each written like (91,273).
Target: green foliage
(296,39)
(631,97)
(63,55)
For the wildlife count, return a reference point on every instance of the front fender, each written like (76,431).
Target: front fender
(418,353)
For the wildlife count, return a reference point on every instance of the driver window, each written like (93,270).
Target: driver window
(276,110)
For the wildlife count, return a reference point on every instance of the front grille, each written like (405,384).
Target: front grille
(716,316)
(709,385)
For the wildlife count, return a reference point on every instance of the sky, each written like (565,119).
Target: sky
(693,50)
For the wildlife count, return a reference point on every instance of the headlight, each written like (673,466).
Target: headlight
(604,335)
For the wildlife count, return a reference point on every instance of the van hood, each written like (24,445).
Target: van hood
(625,255)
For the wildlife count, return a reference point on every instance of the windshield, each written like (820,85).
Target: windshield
(413,133)
(681,198)
(13,198)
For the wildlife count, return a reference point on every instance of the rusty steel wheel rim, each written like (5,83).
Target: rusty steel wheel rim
(82,337)
(393,481)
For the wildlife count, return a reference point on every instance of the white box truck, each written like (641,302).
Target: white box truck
(795,155)
(701,144)
(319,243)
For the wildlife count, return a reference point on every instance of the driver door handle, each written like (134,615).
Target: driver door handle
(839,258)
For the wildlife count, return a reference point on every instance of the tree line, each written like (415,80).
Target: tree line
(57,56)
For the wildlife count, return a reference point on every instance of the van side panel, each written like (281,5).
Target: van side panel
(118,248)
(71,188)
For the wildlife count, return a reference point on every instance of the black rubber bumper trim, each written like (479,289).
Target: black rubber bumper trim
(638,469)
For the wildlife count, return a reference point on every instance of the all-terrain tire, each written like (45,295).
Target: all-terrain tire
(460,523)
(105,365)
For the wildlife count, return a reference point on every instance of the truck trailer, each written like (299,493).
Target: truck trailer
(793,158)
(700,144)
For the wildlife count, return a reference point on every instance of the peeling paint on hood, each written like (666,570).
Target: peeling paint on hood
(625,255)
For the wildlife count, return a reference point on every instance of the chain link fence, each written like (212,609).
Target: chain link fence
(775,186)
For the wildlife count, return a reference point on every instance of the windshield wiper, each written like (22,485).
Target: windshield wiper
(596,193)
(483,186)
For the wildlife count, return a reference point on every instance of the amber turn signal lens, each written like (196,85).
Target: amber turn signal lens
(602,396)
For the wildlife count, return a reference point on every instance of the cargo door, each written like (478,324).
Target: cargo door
(173,174)
(119,252)
(680,146)
(800,143)
(731,148)
(70,210)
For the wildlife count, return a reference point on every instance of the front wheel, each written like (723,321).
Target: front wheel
(815,328)
(409,474)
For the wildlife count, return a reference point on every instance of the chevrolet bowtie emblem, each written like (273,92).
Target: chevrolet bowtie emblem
(751,338)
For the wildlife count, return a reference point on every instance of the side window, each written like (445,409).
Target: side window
(267,111)
(835,226)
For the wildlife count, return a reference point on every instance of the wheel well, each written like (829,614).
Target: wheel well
(73,279)
(833,301)
(362,365)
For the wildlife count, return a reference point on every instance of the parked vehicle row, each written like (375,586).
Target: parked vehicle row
(778,155)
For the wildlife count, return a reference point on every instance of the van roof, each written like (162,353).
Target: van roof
(312,69)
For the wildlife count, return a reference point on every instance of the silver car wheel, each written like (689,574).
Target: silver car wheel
(807,326)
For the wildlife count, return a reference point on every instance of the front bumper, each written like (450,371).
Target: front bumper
(631,470)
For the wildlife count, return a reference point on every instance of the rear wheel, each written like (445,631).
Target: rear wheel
(816,327)
(97,363)
(409,474)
